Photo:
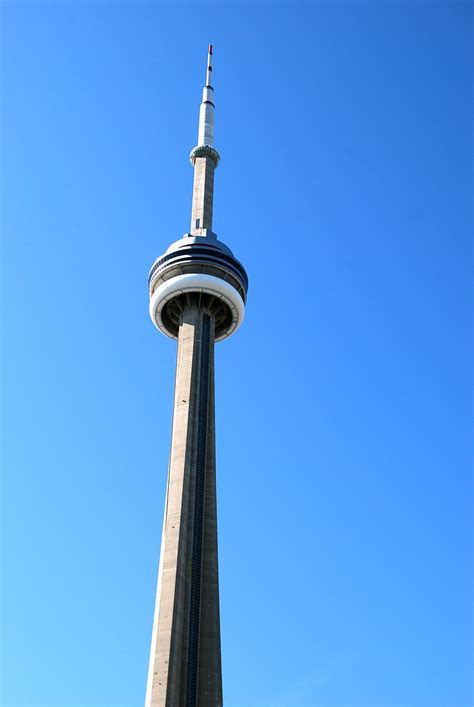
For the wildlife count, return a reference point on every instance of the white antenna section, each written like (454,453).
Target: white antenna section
(206,111)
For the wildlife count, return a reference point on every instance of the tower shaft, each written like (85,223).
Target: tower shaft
(197,291)
(185,658)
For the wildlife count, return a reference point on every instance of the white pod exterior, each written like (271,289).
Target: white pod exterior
(196,283)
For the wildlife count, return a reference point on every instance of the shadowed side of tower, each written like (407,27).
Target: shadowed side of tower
(197,296)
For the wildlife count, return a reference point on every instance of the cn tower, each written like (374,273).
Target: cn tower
(197,293)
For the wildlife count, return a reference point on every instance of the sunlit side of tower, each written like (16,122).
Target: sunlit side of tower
(197,293)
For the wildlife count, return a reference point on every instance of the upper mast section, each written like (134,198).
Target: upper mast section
(198,263)
(206,111)
(204,158)
(205,143)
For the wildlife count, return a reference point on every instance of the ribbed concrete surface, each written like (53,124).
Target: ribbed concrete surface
(203,195)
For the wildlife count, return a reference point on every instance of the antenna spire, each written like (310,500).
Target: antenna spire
(209,66)
(206,111)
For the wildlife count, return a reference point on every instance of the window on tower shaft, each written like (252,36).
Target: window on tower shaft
(198,223)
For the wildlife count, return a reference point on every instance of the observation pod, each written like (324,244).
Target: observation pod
(202,271)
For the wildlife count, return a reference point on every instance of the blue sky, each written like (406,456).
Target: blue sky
(344,484)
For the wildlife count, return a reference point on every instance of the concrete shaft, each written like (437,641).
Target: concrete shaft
(203,195)
(185,657)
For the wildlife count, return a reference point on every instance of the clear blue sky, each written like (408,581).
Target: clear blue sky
(345,188)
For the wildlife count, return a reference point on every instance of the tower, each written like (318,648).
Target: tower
(197,296)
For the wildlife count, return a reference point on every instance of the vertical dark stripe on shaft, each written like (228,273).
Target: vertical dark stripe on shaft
(197,531)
